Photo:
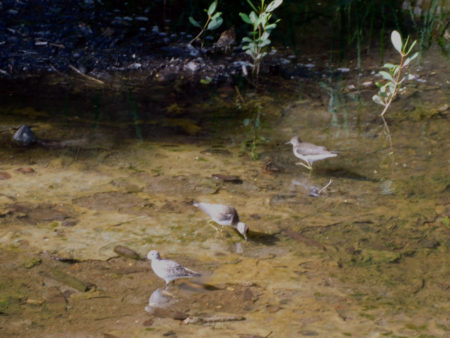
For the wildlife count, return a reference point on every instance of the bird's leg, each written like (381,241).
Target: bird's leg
(307,166)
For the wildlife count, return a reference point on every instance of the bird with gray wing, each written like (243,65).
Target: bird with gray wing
(169,270)
(309,152)
(224,215)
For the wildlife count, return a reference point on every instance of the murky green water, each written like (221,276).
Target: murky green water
(368,257)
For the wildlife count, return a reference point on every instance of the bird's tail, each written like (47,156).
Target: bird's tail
(193,273)
(196,204)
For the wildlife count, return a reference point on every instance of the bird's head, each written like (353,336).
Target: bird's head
(295,140)
(243,229)
(153,255)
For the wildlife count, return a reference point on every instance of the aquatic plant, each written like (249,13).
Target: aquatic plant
(213,21)
(252,124)
(394,76)
(335,103)
(258,39)
(429,21)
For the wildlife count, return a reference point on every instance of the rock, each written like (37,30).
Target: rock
(29,263)
(379,256)
(227,178)
(69,280)
(308,333)
(429,243)
(443,108)
(4,175)
(26,170)
(148,322)
(24,136)
(126,252)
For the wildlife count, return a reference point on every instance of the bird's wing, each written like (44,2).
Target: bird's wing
(175,269)
(310,149)
(219,212)
(227,214)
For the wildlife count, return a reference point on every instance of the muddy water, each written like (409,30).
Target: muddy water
(367,257)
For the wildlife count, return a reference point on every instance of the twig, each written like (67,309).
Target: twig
(328,184)
(86,76)
(218,319)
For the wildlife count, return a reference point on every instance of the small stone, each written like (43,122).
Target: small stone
(308,333)
(148,322)
(169,333)
(69,222)
(248,295)
(4,176)
(26,170)
(126,252)
(32,301)
(429,243)
(28,264)
(443,108)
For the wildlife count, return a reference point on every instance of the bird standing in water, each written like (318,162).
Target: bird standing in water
(169,270)
(224,215)
(309,152)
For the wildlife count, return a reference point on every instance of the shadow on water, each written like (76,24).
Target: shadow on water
(343,173)
(262,238)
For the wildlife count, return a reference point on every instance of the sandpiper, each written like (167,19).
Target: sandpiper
(224,215)
(169,270)
(309,152)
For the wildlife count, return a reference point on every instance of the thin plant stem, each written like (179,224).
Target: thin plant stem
(202,31)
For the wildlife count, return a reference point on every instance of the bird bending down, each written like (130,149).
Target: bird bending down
(224,215)
(309,152)
(169,270)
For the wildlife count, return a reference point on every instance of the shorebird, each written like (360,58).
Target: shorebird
(224,215)
(169,270)
(309,152)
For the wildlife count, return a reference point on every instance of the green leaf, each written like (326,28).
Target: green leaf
(246,39)
(386,76)
(216,15)
(253,17)
(389,65)
(206,80)
(215,23)
(274,5)
(265,35)
(378,100)
(396,41)
(411,47)
(246,122)
(212,8)
(245,18)
(270,27)
(194,23)
(264,43)
(249,52)
(412,57)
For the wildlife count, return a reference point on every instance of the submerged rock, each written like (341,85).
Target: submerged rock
(126,252)
(24,136)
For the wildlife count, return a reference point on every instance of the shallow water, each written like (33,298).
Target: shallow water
(367,257)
